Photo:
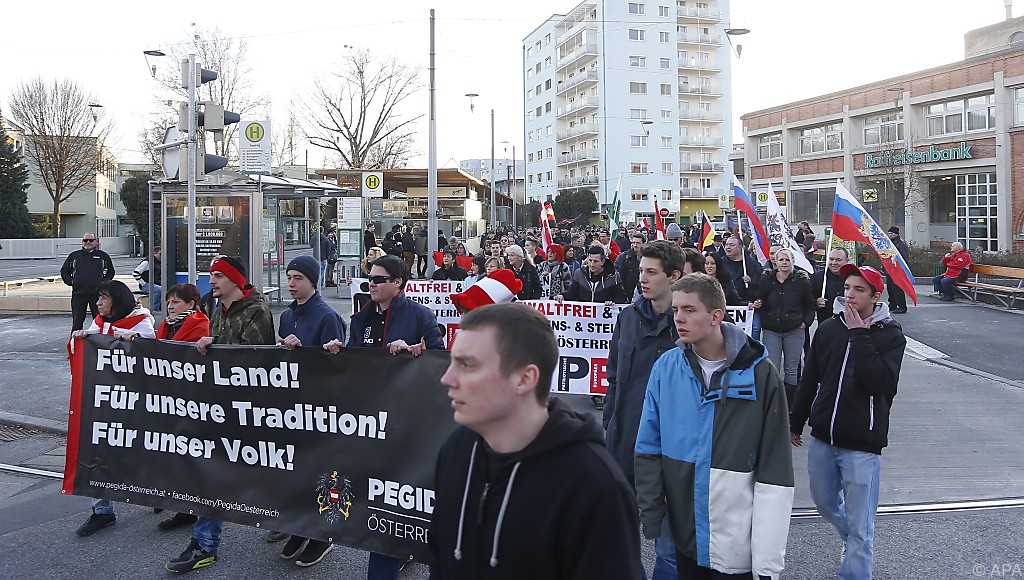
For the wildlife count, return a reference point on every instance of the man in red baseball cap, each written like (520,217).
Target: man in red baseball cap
(847,388)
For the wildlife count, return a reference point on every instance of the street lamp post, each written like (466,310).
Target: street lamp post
(494,210)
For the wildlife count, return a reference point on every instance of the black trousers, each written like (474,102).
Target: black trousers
(78,304)
(897,298)
(688,569)
(421,265)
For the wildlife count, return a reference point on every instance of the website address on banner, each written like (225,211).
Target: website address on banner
(214,503)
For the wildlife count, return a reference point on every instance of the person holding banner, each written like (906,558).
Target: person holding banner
(449,269)
(846,391)
(786,303)
(119,315)
(897,297)
(746,276)
(524,487)
(241,316)
(184,322)
(391,321)
(596,281)
(828,284)
(525,271)
(554,274)
(643,331)
(713,456)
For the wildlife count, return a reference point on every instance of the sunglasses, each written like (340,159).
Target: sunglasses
(380,279)
(88,239)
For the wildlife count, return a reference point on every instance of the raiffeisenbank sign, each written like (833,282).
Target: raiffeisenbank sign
(909,157)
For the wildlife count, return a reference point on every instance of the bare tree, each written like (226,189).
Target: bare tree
(64,137)
(286,141)
(226,56)
(356,112)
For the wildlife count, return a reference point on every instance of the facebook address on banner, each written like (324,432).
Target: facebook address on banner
(215,503)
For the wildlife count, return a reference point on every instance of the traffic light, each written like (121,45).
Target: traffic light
(210,118)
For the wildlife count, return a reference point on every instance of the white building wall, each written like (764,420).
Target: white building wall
(539,69)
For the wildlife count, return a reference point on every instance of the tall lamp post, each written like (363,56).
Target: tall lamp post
(494,210)
(511,174)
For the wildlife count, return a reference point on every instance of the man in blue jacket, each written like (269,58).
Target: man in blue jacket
(713,457)
(392,321)
(847,388)
(309,321)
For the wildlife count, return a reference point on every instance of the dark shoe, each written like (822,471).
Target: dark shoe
(946,298)
(292,547)
(898,310)
(193,558)
(176,521)
(157,510)
(598,402)
(314,552)
(276,536)
(95,523)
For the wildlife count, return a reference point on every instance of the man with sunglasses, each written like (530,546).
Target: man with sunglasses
(392,321)
(83,270)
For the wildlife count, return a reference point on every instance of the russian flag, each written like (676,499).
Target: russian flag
(744,204)
(851,222)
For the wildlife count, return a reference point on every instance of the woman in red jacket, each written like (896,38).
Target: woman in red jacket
(184,322)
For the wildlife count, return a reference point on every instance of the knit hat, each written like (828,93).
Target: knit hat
(894,230)
(232,268)
(495,288)
(673,232)
(873,276)
(308,266)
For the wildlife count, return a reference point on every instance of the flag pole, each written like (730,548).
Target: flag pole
(824,277)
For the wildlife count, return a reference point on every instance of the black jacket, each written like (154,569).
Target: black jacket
(833,288)
(84,271)
(735,269)
(559,508)
(785,305)
(640,337)
(601,287)
(453,273)
(532,289)
(628,266)
(732,298)
(854,414)
(369,240)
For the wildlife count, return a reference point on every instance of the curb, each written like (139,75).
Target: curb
(37,423)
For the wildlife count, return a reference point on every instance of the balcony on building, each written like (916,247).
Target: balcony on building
(567,28)
(700,167)
(696,64)
(576,80)
(581,129)
(702,14)
(711,89)
(700,192)
(576,182)
(697,38)
(577,55)
(583,155)
(577,105)
(698,115)
(701,141)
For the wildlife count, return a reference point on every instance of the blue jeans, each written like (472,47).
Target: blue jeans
(755,326)
(844,486)
(943,285)
(157,292)
(383,567)
(323,274)
(665,555)
(102,506)
(207,533)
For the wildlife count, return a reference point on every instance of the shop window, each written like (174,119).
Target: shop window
(976,212)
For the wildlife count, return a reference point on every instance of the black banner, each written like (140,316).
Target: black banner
(335,447)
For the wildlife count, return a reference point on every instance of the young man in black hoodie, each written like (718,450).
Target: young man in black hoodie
(525,488)
(847,389)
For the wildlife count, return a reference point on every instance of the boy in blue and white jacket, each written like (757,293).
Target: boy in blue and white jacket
(713,457)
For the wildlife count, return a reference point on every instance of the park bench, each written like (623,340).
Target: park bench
(974,285)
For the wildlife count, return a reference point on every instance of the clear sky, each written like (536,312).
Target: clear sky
(796,49)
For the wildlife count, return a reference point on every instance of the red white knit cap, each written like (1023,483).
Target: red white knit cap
(496,288)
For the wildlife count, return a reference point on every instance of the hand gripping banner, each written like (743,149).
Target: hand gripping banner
(335,447)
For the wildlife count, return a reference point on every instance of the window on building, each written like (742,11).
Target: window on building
(813,204)
(769,146)
(664,11)
(638,140)
(636,34)
(529,158)
(536,90)
(704,106)
(529,72)
(638,113)
(637,88)
(547,39)
(666,168)
(635,8)
(549,174)
(666,114)
(1018,106)
(547,62)
(704,182)
(666,89)
(976,212)
(550,151)
(948,118)
(536,69)
(638,167)
(529,94)
(538,113)
(529,51)
(664,37)
(664,63)
(540,154)
(638,194)
(547,130)
(547,107)
(666,195)
(666,142)
(529,178)
(547,85)
(821,139)
(638,61)
(886,128)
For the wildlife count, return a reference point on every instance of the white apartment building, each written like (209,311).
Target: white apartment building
(632,88)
